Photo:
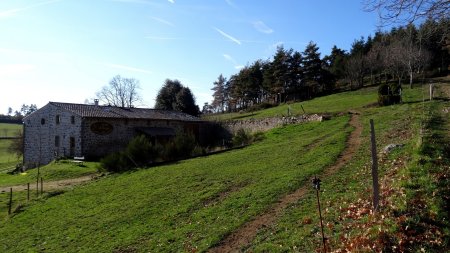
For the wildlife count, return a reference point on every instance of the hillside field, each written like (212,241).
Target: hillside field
(9,130)
(196,204)
(7,160)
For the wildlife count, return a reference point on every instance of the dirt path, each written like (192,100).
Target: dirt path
(52,185)
(244,235)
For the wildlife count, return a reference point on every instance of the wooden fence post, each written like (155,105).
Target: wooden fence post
(316,184)
(28,192)
(10,201)
(37,187)
(376,195)
(42,186)
(431,91)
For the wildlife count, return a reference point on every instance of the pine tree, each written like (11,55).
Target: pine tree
(312,67)
(219,95)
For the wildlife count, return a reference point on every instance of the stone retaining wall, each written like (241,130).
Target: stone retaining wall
(262,125)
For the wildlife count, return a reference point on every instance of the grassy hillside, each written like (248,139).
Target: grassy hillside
(7,160)
(192,205)
(9,130)
(188,204)
(335,103)
(51,172)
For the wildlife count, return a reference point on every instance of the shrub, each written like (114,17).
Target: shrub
(241,138)
(389,94)
(141,151)
(180,147)
(116,162)
(258,136)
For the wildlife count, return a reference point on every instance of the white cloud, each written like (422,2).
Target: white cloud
(123,67)
(229,58)
(171,1)
(232,60)
(261,27)
(163,21)
(228,36)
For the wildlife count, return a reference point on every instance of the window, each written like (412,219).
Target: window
(58,119)
(57,141)
(72,119)
(42,121)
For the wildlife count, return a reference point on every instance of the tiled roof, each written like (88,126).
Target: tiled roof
(100,111)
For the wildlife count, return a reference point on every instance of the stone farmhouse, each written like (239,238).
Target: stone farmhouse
(78,130)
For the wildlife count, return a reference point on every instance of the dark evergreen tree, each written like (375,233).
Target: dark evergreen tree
(174,96)
(166,98)
(335,62)
(276,74)
(220,94)
(312,69)
(295,77)
(185,102)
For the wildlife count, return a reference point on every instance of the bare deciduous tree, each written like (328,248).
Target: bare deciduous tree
(408,11)
(121,92)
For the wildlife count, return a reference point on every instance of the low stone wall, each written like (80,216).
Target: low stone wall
(262,125)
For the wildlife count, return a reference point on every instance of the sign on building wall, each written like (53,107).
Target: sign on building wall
(102,128)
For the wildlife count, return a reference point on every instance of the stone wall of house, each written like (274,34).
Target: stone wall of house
(262,125)
(50,133)
(116,133)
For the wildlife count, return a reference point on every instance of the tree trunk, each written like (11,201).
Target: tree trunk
(410,79)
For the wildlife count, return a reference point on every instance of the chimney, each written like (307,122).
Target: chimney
(96,101)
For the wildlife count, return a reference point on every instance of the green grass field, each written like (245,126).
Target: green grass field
(64,169)
(8,160)
(191,205)
(9,130)
(335,103)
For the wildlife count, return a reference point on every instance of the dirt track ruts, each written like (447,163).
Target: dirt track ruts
(51,185)
(244,235)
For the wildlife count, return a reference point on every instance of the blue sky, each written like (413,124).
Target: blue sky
(66,50)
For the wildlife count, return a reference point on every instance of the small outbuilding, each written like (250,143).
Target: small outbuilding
(79,130)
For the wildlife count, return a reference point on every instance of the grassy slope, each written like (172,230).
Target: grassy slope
(9,130)
(346,196)
(51,172)
(340,102)
(191,205)
(7,160)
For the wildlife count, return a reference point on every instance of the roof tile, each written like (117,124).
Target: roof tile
(100,111)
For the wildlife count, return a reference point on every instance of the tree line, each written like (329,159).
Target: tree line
(17,115)
(404,53)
